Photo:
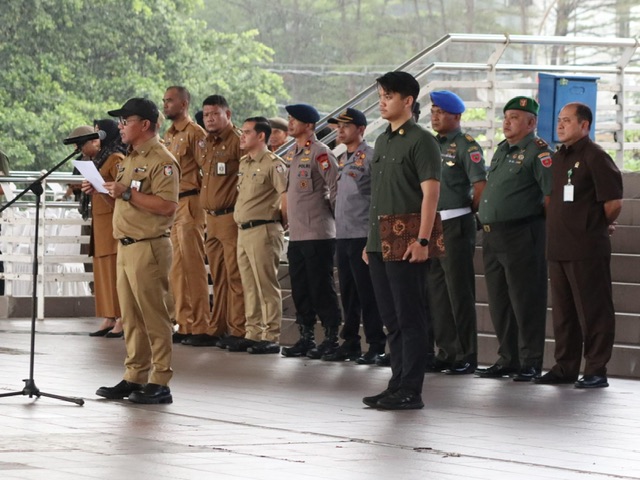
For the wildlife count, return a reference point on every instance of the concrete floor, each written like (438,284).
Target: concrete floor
(237,416)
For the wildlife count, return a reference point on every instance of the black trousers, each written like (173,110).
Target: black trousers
(399,289)
(356,295)
(312,287)
(452,293)
(583,313)
(516,274)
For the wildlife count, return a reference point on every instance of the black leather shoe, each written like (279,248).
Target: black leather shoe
(121,390)
(465,368)
(152,393)
(120,334)
(299,349)
(402,399)
(346,352)
(264,347)
(592,381)
(373,400)
(100,333)
(384,360)
(368,358)
(436,366)
(527,374)
(326,347)
(495,371)
(179,337)
(550,378)
(239,344)
(200,340)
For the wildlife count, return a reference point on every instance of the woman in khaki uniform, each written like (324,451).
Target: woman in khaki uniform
(103,246)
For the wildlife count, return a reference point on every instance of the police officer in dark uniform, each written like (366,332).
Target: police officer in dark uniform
(311,199)
(512,209)
(451,280)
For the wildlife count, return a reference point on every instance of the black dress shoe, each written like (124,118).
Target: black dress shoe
(264,347)
(402,399)
(345,352)
(100,333)
(592,381)
(228,342)
(461,369)
(436,366)
(120,334)
(121,390)
(152,393)
(179,337)
(368,358)
(374,399)
(527,374)
(239,344)
(550,378)
(384,360)
(200,340)
(495,371)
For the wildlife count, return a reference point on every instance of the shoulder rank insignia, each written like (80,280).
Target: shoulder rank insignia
(469,137)
(541,143)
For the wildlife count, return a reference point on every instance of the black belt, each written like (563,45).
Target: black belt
(224,211)
(254,223)
(189,193)
(497,226)
(130,241)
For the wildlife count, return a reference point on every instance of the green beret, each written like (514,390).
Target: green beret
(526,104)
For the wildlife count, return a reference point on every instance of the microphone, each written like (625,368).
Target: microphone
(82,139)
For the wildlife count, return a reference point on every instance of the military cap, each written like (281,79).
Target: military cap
(143,107)
(526,104)
(350,115)
(447,101)
(279,123)
(303,112)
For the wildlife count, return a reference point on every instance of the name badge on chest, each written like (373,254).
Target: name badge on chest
(568,188)
(221,168)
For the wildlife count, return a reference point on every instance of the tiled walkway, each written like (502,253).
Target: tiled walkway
(236,416)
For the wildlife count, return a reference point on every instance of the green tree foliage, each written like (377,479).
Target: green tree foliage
(66,62)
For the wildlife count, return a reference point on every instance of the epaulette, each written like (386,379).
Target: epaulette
(469,137)
(244,157)
(541,143)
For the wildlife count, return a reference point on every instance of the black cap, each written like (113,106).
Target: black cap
(350,115)
(303,112)
(143,107)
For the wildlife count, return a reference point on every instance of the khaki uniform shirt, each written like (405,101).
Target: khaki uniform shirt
(182,139)
(402,160)
(462,166)
(518,180)
(156,172)
(354,193)
(311,191)
(219,158)
(261,182)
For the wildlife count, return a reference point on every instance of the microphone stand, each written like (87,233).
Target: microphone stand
(30,387)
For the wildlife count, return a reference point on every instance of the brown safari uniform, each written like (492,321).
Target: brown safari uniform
(219,159)
(144,260)
(188,272)
(261,182)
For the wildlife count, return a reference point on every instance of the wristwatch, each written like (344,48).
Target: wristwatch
(423,242)
(126,195)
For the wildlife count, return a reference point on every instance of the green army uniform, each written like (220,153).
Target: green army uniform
(512,213)
(451,279)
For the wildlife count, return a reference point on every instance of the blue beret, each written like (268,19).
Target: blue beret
(448,101)
(303,112)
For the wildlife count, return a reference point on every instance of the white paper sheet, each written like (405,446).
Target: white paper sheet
(89,171)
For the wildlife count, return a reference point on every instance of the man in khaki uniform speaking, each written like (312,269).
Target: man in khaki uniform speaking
(188,271)
(219,158)
(260,215)
(146,193)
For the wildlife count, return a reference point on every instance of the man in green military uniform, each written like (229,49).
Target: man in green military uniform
(512,211)
(451,279)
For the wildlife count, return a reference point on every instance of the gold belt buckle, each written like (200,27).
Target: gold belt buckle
(486,228)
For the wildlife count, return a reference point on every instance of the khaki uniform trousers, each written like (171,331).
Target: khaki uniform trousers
(143,284)
(221,246)
(259,250)
(189,282)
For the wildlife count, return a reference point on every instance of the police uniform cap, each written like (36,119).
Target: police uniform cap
(526,104)
(143,107)
(303,112)
(350,115)
(279,123)
(447,101)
